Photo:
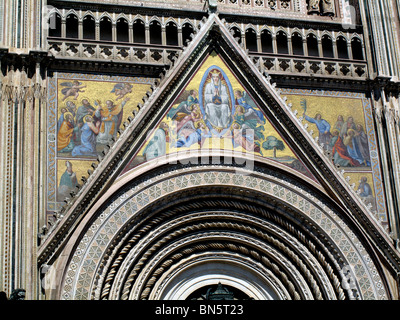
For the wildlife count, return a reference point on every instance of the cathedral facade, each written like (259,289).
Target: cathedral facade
(200,149)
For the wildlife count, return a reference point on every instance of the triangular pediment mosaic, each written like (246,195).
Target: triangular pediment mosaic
(214,112)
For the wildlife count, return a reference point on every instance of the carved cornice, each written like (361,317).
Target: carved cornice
(23,75)
(132,8)
(106,67)
(29,62)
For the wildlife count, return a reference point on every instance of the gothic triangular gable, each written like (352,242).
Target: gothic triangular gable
(213,37)
(196,122)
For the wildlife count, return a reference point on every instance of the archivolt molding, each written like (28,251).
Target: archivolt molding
(105,255)
(181,279)
(248,246)
(240,225)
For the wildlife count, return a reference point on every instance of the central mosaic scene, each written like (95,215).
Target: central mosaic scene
(215,112)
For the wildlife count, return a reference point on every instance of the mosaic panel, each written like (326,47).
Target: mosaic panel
(84,115)
(215,112)
(343,123)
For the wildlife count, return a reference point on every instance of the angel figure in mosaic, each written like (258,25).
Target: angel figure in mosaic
(194,116)
(250,109)
(72,89)
(246,120)
(121,90)
(185,100)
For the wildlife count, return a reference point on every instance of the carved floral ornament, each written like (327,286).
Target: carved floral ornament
(119,257)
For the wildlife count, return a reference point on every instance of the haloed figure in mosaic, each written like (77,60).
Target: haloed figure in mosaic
(366,193)
(216,101)
(111,118)
(90,130)
(66,131)
(340,153)
(68,182)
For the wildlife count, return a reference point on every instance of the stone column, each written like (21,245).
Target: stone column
(392,132)
(130,32)
(22,164)
(389,157)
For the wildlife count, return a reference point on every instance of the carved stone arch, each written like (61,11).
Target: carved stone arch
(328,34)
(188,21)
(297,30)
(235,25)
(342,44)
(327,41)
(155,18)
(251,26)
(171,19)
(355,35)
(106,14)
(89,13)
(297,41)
(123,16)
(72,28)
(265,28)
(55,10)
(342,34)
(181,282)
(251,34)
(55,19)
(312,32)
(280,28)
(282,39)
(149,225)
(71,11)
(139,17)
